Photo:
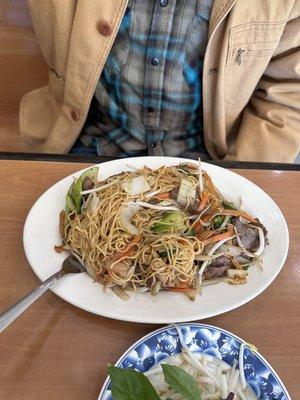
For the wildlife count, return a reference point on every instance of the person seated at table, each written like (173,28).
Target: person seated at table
(220,79)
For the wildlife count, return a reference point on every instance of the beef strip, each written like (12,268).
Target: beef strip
(258,223)
(217,268)
(174,193)
(248,235)
(87,183)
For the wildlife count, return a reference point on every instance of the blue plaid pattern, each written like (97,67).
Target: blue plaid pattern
(149,96)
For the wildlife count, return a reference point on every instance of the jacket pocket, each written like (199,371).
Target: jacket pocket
(250,49)
(119,53)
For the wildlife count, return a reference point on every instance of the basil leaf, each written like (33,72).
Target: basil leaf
(128,384)
(182,382)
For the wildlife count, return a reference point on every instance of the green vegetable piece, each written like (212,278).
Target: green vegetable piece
(190,233)
(128,384)
(228,206)
(182,382)
(172,221)
(76,187)
(70,207)
(185,168)
(218,221)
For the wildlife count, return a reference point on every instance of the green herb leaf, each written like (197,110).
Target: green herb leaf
(128,384)
(218,221)
(182,382)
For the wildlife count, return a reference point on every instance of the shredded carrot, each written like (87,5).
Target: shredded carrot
(179,289)
(198,228)
(59,249)
(162,196)
(204,200)
(205,235)
(217,238)
(209,184)
(237,213)
(234,213)
(128,250)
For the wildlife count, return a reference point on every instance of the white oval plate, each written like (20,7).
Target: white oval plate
(41,233)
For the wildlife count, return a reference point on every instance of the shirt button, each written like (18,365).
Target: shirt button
(154,61)
(153,144)
(150,109)
(75,115)
(104,28)
(164,3)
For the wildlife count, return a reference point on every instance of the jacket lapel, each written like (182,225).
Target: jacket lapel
(219,9)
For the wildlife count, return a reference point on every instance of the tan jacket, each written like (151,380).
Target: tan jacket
(251,75)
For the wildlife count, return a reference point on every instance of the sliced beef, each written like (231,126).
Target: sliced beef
(247,234)
(174,193)
(216,272)
(258,223)
(217,268)
(87,183)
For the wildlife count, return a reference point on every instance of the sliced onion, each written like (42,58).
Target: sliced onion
(202,257)
(135,186)
(120,292)
(93,204)
(211,252)
(186,192)
(127,213)
(98,188)
(236,273)
(154,206)
(201,187)
(153,193)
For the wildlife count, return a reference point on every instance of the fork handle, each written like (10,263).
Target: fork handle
(8,316)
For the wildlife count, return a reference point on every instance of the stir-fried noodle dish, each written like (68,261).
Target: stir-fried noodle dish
(167,229)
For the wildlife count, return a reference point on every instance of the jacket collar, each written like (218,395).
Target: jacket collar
(219,9)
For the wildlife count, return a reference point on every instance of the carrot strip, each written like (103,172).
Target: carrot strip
(210,186)
(178,289)
(217,238)
(59,249)
(162,196)
(205,235)
(237,213)
(204,200)
(198,228)
(128,249)
(234,213)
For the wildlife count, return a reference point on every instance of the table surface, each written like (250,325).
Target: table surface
(57,351)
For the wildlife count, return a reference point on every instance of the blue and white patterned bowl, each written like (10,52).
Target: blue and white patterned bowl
(207,339)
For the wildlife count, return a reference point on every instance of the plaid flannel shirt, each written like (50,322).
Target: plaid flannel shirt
(149,98)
